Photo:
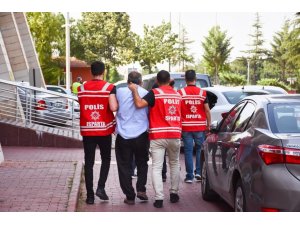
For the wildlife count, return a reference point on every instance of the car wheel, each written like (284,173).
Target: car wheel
(239,198)
(207,193)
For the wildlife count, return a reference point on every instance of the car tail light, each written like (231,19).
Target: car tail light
(41,105)
(269,210)
(275,154)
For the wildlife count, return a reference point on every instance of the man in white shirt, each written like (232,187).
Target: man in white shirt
(132,139)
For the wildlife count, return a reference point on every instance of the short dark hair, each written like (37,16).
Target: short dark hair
(134,77)
(97,68)
(190,75)
(163,77)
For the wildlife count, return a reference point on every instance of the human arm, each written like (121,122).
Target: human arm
(113,103)
(208,116)
(138,101)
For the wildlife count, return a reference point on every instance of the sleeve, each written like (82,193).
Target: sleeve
(206,100)
(113,91)
(150,98)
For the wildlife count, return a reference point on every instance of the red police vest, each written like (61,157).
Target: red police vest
(165,115)
(96,118)
(192,109)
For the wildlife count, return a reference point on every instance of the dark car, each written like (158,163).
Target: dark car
(203,80)
(252,158)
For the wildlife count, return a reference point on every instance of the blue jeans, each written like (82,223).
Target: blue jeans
(188,140)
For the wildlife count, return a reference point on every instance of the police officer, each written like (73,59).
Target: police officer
(196,119)
(97,99)
(164,133)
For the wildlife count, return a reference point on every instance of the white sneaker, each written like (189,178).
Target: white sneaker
(188,180)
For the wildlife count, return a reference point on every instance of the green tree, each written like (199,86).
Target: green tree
(273,82)
(232,79)
(49,38)
(156,46)
(216,51)
(239,66)
(256,51)
(281,50)
(182,57)
(104,36)
(295,44)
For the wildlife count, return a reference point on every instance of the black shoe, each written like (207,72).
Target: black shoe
(101,194)
(174,197)
(164,178)
(158,204)
(89,200)
(129,202)
(142,195)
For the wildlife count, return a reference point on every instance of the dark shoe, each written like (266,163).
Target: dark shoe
(142,196)
(174,197)
(158,204)
(129,202)
(89,200)
(198,177)
(101,194)
(164,178)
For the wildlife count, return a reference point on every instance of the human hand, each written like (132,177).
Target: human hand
(132,86)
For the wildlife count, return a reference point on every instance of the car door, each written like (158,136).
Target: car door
(218,146)
(233,143)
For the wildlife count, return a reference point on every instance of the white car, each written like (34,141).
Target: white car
(71,103)
(222,99)
(270,89)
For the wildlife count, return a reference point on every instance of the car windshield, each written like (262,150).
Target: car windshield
(180,83)
(234,97)
(56,89)
(284,118)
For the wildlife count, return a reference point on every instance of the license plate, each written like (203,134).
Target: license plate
(58,104)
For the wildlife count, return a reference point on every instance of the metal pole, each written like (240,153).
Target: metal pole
(67,52)
(248,71)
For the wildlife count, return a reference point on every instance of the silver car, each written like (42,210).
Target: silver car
(252,158)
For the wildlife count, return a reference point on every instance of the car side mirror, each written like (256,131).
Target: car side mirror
(214,126)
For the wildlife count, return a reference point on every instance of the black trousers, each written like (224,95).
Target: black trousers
(90,143)
(125,148)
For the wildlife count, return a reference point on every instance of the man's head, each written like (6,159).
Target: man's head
(190,75)
(79,79)
(97,68)
(163,77)
(134,77)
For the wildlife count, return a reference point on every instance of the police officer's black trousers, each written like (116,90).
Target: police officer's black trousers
(90,143)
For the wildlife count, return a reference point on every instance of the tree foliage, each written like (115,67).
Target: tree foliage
(216,51)
(49,38)
(232,79)
(182,57)
(156,45)
(256,51)
(273,82)
(104,36)
(282,51)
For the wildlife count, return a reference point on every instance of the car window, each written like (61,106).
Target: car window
(180,83)
(235,96)
(56,89)
(244,117)
(228,121)
(259,120)
(284,118)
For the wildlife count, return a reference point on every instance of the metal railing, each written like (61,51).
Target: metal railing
(29,106)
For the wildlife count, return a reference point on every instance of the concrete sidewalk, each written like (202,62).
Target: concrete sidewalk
(50,179)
